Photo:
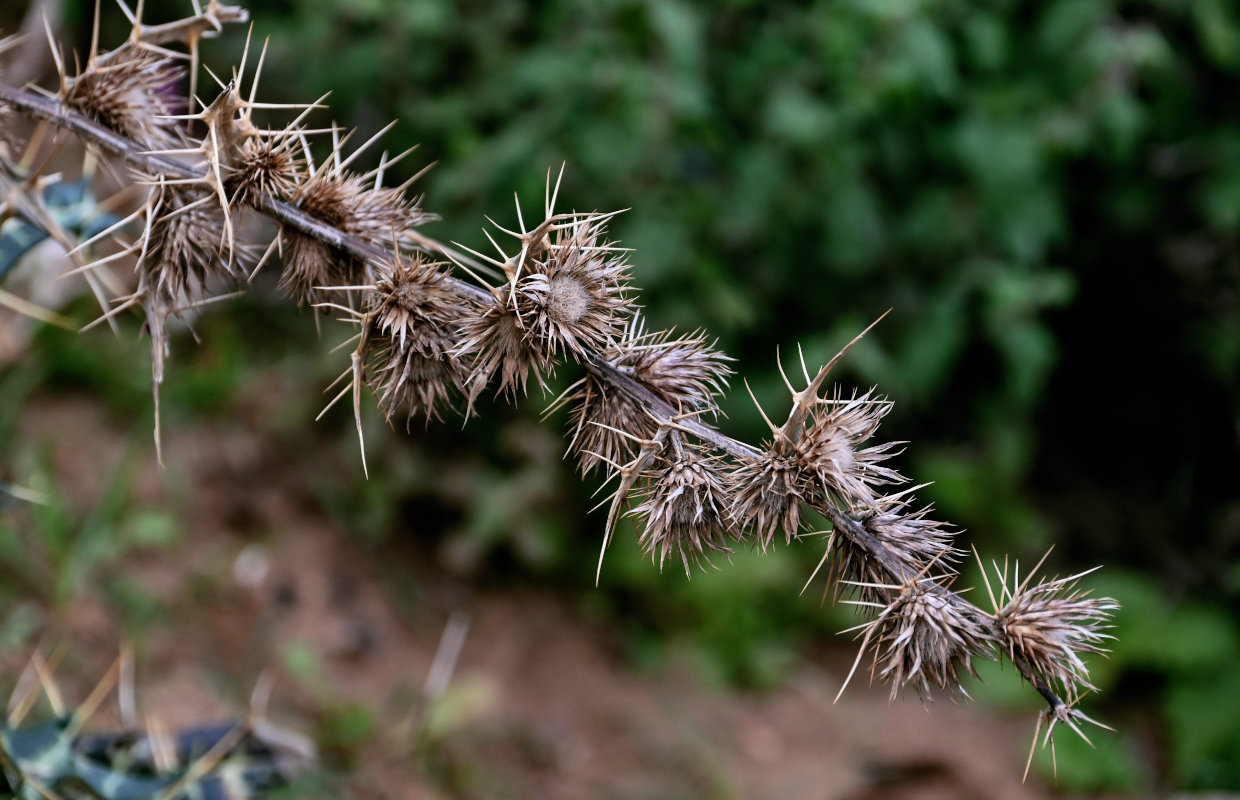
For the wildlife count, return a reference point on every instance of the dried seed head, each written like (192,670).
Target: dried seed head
(502,346)
(829,447)
(414,320)
(684,372)
(574,300)
(263,166)
(341,200)
(132,93)
(769,493)
(927,636)
(184,246)
(1051,625)
(685,507)
(912,541)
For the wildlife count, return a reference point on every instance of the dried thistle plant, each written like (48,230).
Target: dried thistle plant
(434,323)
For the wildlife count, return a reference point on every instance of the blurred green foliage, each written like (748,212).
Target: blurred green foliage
(1046,193)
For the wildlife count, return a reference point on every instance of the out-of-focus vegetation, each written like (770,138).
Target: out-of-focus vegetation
(1046,193)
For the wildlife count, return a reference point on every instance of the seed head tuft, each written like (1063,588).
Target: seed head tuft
(414,320)
(131,94)
(926,636)
(1051,625)
(685,507)
(684,372)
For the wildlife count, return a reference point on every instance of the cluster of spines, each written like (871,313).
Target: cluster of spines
(562,291)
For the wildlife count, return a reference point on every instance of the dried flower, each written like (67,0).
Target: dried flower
(684,372)
(829,447)
(500,346)
(184,246)
(414,320)
(769,492)
(1050,626)
(342,200)
(129,94)
(575,299)
(926,636)
(910,540)
(685,506)
(263,166)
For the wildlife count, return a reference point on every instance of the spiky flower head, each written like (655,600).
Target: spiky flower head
(501,347)
(830,447)
(769,492)
(131,93)
(263,166)
(686,372)
(926,636)
(185,246)
(342,200)
(574,299)
(911,541)
(1051,625)
(414,319)
(685,507)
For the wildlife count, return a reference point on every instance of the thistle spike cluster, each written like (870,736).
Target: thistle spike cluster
(437,325)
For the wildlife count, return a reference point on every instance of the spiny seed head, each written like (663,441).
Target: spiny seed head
(310,264)
(263,166)
(1051,625)
(574,300)
(185,248)
(769,493)
(912,540)
(829,447)
(131,94)
(414,323)
(685,372)
(342,200)
(927,637)
(685,508)
(501,346)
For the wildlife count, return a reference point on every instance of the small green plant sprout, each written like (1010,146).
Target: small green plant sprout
(438,325)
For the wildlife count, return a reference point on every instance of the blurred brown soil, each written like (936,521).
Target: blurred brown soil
(541,704)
